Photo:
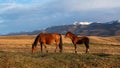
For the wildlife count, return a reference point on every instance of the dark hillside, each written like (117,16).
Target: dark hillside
(97,29)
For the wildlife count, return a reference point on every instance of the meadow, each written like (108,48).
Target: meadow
(15,52)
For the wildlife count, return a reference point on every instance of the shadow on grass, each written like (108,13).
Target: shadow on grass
(102,54)
(1,51)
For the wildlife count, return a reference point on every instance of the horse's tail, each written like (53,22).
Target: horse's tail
(88,41)
(60,44)
(87,44)
(35,43)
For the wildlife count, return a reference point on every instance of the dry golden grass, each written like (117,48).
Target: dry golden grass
(113,40)
(19,40)
(110,45)
(15,52)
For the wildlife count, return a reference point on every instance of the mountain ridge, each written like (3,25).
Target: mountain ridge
(111,28)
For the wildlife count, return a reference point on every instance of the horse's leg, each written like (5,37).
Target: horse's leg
(56,46)
(87,47)
(34,49)
(75,48)
(45,47)
(41,47)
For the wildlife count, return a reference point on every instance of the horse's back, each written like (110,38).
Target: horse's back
(49,38)
(82,39)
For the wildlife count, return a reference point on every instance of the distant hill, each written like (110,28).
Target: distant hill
(94,29)
(99,29)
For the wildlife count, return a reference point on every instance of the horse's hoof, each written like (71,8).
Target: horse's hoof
(47,51)
(60,51)
(55,51)
(87,52)
(76,52)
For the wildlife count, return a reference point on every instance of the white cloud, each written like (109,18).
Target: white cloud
(104,3)
(78,5)
(37,16)
(65,5)
(5,7)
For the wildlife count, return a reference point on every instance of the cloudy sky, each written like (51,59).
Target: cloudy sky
(30,15)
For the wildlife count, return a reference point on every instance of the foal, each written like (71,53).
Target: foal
(78,40)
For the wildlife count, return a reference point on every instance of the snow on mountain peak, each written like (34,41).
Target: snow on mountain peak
(82,23)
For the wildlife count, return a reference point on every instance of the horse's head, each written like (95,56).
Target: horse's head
(34,48)
(68,34)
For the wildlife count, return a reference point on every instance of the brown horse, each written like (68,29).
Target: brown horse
(48,38)
(78,40)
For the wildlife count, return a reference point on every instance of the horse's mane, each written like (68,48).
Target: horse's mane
(71,33)
(43,33)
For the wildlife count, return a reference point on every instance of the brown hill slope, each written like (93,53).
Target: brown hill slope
(113,40)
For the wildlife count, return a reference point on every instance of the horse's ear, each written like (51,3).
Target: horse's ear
(68,32)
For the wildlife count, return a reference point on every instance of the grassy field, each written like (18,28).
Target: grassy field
(15,52)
